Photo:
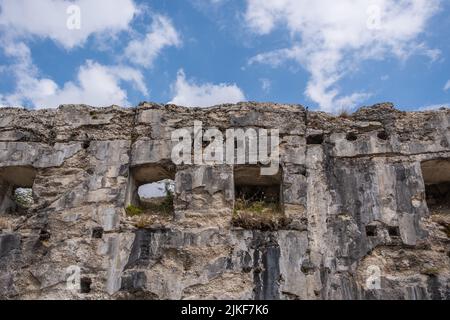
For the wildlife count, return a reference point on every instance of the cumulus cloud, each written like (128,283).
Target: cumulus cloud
(95,84)
(189,93)
(329,38)
(143,51)
(23,21)
(49,18)
(447,86)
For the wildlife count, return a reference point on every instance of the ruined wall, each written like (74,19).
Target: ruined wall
(352,188)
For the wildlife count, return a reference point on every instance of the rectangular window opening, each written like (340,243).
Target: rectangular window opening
(151,190)
(16,190)
(258,199)
(371,231)
(436,175)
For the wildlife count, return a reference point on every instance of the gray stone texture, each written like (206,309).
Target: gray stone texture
(86,163)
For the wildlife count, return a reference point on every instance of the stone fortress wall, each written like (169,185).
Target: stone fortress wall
(353,189)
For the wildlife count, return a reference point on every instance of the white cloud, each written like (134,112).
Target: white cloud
(96,84)
(330,37)
(188,93)
(162,34)
(447,86)
(23,21)
(48,19)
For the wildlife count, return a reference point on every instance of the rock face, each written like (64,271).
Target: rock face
(367,198)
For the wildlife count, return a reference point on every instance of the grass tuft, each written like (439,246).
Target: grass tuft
(133,211)
(431,271)
(344,113)
(164,206)
(259,215)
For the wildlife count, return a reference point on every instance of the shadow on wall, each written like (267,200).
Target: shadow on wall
(436,176)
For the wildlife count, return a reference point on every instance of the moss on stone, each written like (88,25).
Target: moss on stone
(133,211)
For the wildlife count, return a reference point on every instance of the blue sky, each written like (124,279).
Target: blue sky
(328,55)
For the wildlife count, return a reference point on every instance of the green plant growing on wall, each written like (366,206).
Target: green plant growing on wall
(165,206)
(133,211)
(258,212)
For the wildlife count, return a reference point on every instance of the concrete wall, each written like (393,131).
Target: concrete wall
(85,159)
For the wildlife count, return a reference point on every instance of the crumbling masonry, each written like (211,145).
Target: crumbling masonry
(365,199)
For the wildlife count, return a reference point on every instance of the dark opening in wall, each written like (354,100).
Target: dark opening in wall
(382,135)
(16,194)
(394,231)
(436,176)
(86,144)
(44,235)
(437,196)
(85,285)
(258,199)
(352,136)
(151,190)
(371,231)
(97,232)
(314,139)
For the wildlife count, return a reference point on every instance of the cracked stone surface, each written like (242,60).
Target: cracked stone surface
(354,189)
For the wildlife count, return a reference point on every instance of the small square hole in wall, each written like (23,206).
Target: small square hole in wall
(351,136)
(258,199)
(314,139)
(151,190)
(44,235)
(394,231)
(97,232)
(85,285)
(371,231)
(382,135)
(16,193)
